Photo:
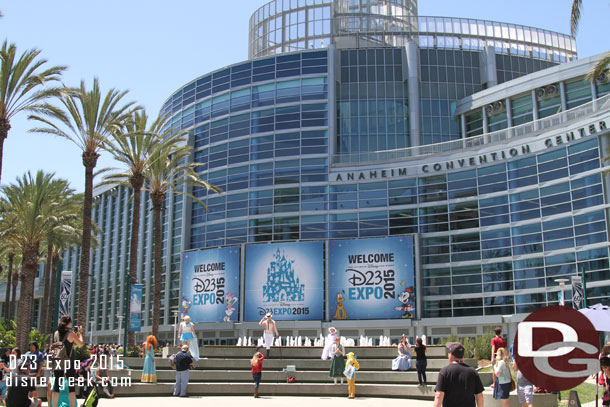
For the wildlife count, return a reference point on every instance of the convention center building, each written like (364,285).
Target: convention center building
(381,172)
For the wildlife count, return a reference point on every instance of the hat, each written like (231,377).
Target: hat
(185,348)
(456,349)
(332,328)
(268,314)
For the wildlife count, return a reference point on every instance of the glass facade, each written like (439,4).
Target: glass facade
(274,132)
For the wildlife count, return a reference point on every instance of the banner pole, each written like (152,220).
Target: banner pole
(60,266)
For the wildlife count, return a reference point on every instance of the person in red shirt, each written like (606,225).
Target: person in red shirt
(496,343)
(257,370)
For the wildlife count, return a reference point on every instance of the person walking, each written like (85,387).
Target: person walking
(257,370)
(421,361)
(270,330)
(525,388)
(64,338)
(351,366)
(403,361)
(184,362)
(497,342)
(330,341)
(338,364)
(458,385)
(149,372)
(502,377)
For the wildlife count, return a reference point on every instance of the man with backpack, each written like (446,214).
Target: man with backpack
(183,362)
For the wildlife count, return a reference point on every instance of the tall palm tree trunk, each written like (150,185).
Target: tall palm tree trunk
(7,298)
(47,290)
(136,183)
(14,296)
(51,300)
(89,161)
(5,126)
(157,201)
(26,298)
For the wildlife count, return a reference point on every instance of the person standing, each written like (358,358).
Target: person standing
(502,377)
(184,362)
(604,363)
(257,370)
(458,385)
(66,376)
(352,363)
(330,341)
(186,332)
(270,330)
(497,342)
(338,364)
(149,373)
(36,361)
(525,388)
(403,361)
(421,361)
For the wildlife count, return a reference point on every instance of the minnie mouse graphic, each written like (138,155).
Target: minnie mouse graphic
(408,306)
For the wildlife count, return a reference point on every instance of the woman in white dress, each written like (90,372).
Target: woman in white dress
(189,337)
(328,345)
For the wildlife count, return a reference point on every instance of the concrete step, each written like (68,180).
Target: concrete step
(294,352)
(233,376)
(279,364)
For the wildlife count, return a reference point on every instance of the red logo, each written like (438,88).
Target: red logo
(556,348)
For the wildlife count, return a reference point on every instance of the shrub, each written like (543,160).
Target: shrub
(482,346)
(133,351)
(7,334)
(81,352)
(37,336)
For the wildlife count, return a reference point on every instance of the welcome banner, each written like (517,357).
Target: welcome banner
(372,278)
(210,284)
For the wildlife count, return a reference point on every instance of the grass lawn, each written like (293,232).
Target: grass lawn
(586,393)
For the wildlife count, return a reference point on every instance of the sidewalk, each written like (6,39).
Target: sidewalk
(266,401)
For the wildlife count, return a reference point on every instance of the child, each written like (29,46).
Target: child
(257,370)
(351,362)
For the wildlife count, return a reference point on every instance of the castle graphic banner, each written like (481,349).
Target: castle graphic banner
(372,278)
(210,285)
(285,279)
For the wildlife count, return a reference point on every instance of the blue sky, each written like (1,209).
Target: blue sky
(153,47)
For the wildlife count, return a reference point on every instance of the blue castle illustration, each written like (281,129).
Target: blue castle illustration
(281,282)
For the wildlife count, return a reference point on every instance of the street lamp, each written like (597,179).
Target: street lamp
(120,317)
(562,285)
(175,325)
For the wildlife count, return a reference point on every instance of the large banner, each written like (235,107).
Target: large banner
(286,279)
(577,292)
(210,284)
(372,278)
(65,292)
(135,308)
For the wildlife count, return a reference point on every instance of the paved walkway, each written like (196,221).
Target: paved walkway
(197,401)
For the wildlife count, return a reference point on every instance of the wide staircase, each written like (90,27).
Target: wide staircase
(226,371)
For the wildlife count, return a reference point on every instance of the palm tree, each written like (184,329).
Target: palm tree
(30,209)
(21,80)
(8,253)
(168,171)
(63,231)
(86,118)
(133,146)
(602,64)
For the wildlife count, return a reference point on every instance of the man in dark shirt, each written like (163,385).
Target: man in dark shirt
(184,361)
(458,385)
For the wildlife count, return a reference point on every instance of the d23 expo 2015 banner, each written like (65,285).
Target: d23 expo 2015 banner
(372,278)
(210,285)
(285,279)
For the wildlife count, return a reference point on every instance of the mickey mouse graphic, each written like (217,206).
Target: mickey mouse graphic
(408,306)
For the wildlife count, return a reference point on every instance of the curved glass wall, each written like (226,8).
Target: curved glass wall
(291,25)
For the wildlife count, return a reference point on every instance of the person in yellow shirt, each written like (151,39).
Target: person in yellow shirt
(352,362)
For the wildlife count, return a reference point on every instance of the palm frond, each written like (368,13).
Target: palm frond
(575,16)
(599,68)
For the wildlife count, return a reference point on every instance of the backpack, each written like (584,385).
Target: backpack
(58,350)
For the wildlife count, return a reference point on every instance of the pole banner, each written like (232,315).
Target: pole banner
(65,291)
(135,308)
(577,292)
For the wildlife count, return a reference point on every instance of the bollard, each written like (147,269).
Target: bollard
(574,401)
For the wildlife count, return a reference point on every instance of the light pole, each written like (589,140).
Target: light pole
(175,325)
(120,317)
(91,332)
(562,285)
